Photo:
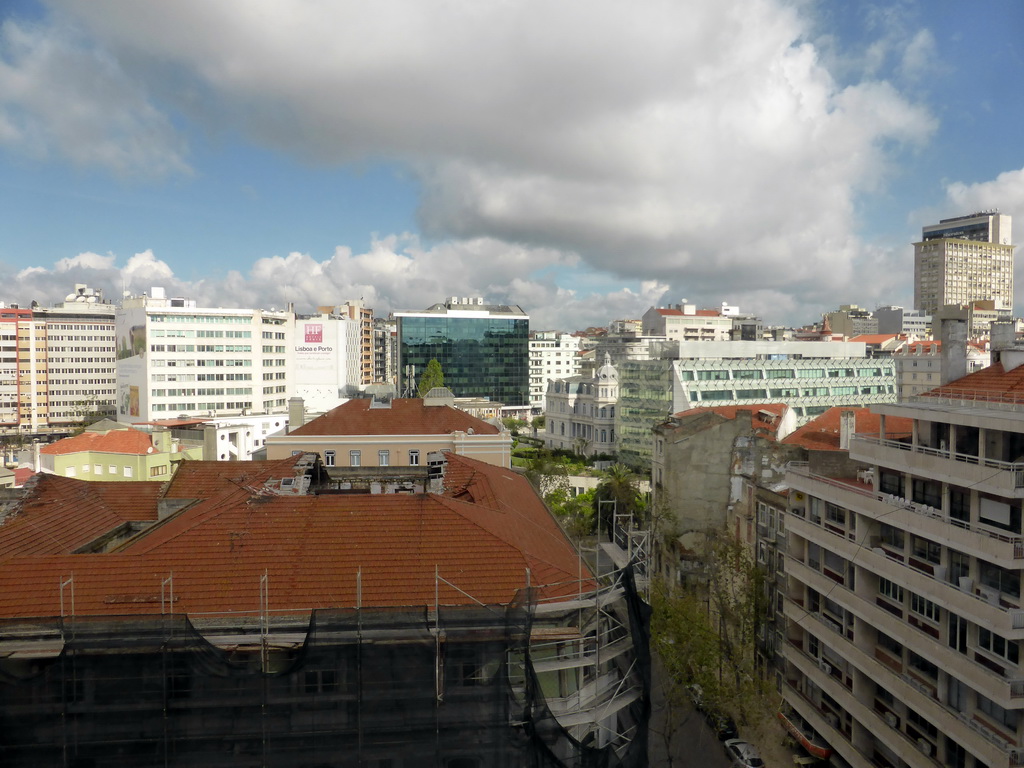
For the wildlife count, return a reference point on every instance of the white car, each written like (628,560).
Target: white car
(743,754)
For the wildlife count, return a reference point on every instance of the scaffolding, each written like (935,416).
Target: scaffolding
(557,683)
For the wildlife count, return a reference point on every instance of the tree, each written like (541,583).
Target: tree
(621,486)
(707,636)
(514,425)
(575,513)
(432,377)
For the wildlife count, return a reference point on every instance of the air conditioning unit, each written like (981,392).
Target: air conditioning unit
(966,584)
(925,746)
(1017,757)
(891,720)
(825,667)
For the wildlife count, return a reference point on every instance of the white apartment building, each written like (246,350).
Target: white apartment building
(907,322)
(903,605)
(963,260)
(919,366)
(553,355)
(326,359)
(177,359)
(580,412)
(684,322)
(56,364)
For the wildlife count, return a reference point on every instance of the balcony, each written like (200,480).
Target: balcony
(881,719)
(1000,688)
(995,546)
(973,602)
(1004,478)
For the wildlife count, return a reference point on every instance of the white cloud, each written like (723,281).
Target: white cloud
(86,260)
(920,55)
(700,146)
(396,273)
(61,97)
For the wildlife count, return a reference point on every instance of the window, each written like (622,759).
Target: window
(157,471)
(890,590)
(892,482)
(921,664)
(1008,717)
(891,536)
(329,458)
(414,458)
(927,492)
(960,504)
(998,646)
(1001,579)
(320,681)
(354,459)
(924,607)
(383,458)
(127,471)
(927,550)
(890,644)
(835,514)
(97,469)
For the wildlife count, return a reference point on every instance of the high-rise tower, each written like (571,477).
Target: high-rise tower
(964,260)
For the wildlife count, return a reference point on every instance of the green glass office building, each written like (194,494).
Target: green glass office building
(483,349)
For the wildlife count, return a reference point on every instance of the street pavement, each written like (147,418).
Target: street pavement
(679,735)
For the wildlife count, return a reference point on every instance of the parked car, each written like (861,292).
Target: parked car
(743,754)
(725,726)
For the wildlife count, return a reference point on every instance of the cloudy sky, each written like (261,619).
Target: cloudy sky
(586,159)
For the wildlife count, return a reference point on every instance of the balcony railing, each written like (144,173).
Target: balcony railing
(1016,467)
(1001,401)
(801,468)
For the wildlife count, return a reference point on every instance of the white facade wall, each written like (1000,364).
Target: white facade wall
(324,360)
(81,368)
(553,356)
(177,359)
(903,592)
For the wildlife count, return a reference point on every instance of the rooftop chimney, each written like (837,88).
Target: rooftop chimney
(953,335)
(847,426)
(296,413)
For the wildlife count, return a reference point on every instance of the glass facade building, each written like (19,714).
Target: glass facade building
(483,349)
(652,390)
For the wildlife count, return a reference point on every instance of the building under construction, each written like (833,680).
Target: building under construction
(243,614)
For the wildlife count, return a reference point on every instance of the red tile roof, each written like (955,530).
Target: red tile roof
(63,514)
(406,416)
(487,536)
(202,479)
(822,433)
(130,441)
(875,338)
(758,420)
(991,384)
(22,475)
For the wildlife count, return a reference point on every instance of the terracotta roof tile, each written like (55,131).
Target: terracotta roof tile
(875,338)
(757,414)
(822,433)
(406,416)
(991,384)
(130,441)
(64,514)
(488,535)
